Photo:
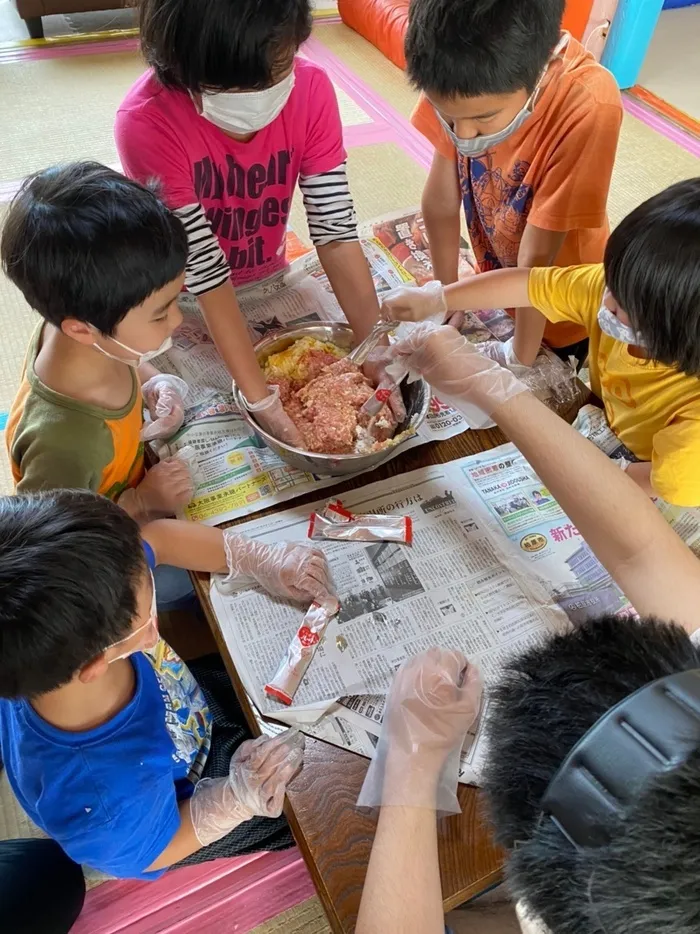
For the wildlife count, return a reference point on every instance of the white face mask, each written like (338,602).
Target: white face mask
(245,112)
(478,145)
(138,357)
(611,325)
(152,622)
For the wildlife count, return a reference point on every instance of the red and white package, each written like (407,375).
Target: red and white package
(301,650)
(336,512)
(362,528)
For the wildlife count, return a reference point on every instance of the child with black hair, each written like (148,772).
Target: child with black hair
(641,310)
(525,125)
(102,260)
(113,747)
(229,119)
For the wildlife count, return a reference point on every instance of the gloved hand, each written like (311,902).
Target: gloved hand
(374,369)
(289,569)
(164,396)
(461,376)
(433,701)
(410,303)
(272,417)
(259,773)
(504,354)
(167,486)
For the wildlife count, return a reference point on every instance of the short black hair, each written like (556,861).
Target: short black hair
(217,45)
(466,48)
(82,241)
(71,563)
(652,268)
(548,698)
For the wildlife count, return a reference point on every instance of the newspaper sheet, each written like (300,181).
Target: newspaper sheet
(463,583)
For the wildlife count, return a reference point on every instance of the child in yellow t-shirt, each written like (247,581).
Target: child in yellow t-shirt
(641,309)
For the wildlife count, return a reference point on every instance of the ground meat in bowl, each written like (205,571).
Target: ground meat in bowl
(327,410)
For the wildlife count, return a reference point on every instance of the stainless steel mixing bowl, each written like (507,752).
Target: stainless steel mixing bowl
(415,395)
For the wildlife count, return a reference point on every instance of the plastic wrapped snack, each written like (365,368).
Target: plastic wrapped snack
(361,528)
(300,652)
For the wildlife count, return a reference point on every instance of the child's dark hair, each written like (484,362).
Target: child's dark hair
(548,698)
(71,563)
(82,241)
(652,268)
(466,48)
(219,45)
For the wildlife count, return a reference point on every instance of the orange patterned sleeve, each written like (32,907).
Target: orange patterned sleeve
(425,120)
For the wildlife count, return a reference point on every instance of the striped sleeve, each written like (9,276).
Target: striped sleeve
(207,267)
(329,209)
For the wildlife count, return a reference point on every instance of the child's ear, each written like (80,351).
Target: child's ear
(94,669)
(79,331)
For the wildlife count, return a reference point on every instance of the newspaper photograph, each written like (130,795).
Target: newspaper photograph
(456,586)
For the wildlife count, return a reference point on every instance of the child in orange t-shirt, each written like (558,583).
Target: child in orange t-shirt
(525,126)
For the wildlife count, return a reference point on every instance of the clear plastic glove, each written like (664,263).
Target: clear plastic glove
(272,417)
(462,377)
(410,303)
(504,354)
(288,569)
(164,396)
(167,487)
(433,701)
(259,773)
(374,369)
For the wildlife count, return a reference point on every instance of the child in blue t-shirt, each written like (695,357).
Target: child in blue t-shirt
(104,732)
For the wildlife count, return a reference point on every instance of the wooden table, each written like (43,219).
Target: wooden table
(334,838)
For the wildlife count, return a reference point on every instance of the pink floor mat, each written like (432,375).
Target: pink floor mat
(229,896)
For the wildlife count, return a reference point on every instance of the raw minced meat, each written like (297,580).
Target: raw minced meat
(326,408)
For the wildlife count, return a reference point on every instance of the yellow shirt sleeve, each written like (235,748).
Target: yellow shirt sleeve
(569,293)
(674,462)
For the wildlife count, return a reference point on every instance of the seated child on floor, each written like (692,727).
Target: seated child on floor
(641,309)
(102,260)
(105,733)
(525,124)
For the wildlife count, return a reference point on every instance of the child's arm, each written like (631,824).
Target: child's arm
(441,205)
(641,474)
(538,247)
(351,281)
(259,773)
(288,569)
(502,288)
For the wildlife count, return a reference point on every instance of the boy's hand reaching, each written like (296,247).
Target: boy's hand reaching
(259,773)
(434,699)
(289,569)
(409,303)
(164,396)
(272,417)
(167,487)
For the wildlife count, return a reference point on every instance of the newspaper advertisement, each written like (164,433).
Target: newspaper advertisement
(403,234)
(461,584)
